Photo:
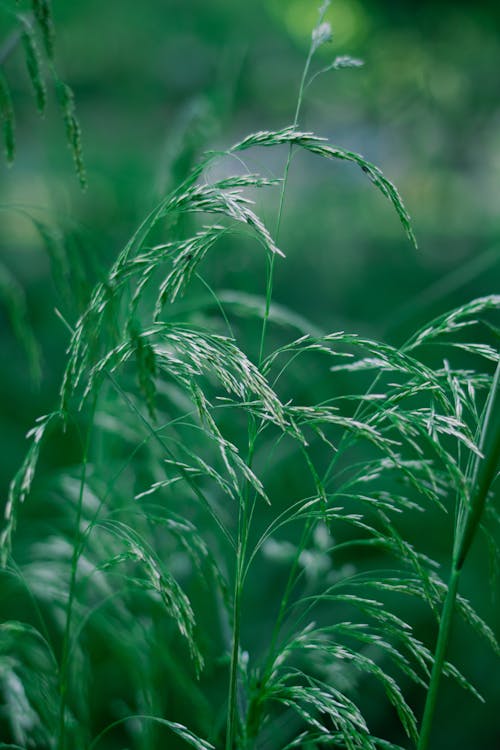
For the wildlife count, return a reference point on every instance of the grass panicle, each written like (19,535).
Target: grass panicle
(20,485)
(34,64)
(231,537)
(66,101)
(34,32)
(43,14)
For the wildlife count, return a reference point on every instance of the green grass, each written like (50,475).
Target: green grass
(237,560)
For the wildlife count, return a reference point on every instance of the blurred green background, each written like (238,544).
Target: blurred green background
(159,82)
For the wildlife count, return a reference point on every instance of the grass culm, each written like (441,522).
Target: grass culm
(237,561)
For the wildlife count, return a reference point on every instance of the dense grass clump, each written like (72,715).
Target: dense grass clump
(237,559)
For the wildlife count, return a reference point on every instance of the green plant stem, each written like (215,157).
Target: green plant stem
(243,532)
(483,475)
(272,260)
(439,659)
(243,524)
(484,471)
(243,514)
(233,674)
(77,549)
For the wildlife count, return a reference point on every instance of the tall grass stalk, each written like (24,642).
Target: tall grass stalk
(77,551)
(485,467)
(243,515)
(284,184)
(210,486)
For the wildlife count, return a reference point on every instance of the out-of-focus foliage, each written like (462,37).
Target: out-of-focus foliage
(156,84)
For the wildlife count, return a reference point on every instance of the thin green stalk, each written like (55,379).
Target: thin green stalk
(233,675)
(77,548)
(272,260)
(439,658)
(484,471)
(483,475)
(243,522)
(243,534)
(243,525)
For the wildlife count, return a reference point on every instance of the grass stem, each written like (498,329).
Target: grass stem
(445,624)
(77,549)
(272,259)
(233,675)
(483,475)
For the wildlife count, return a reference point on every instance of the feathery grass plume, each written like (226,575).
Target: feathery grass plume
(312,640)
(33,63)
(31,26)
(451,322)
(339,63)
(188,536)
(187,255)
(423,421)
(159,580)
(28,670)
(14,299)
(20,485)
(192,434)
(184,256)
(66,100)
(323,708)
(7,117)
(186,353)
(481,472)
(322,32)
(223,197)
(319,146)
(43,14)
(178,729)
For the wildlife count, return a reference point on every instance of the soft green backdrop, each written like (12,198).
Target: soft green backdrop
(158,82)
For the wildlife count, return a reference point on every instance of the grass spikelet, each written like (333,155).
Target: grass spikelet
(321,706)
(34,64)
(21,484)
(461,317)
(186,353)
(28,671)
(160,581)
(178,729)
(225,197)
(315,640)
(43,13)
(187,256)
(7,117)
(66,100)
(316,145)
(160,527)
(218,198)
